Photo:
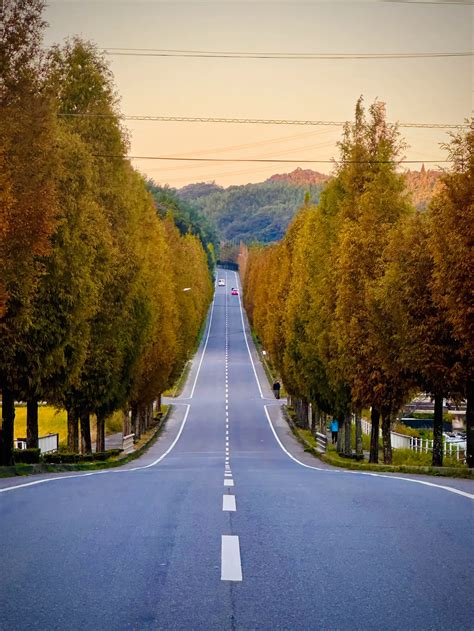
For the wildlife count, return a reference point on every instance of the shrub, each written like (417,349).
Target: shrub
(410,457)
(68,457)
(27,456)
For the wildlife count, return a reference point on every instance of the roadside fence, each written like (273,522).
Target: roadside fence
(420,445)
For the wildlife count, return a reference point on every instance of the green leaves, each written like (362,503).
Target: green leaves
(94,316)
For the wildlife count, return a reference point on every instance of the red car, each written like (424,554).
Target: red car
(234,292)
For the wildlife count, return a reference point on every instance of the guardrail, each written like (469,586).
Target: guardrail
(127,444)
(321,442)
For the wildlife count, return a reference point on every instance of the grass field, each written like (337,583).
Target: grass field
(52,420)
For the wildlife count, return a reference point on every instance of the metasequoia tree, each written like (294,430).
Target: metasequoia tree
(53,348)
(28,206)
(371,200)
(452,213)
(84,85)
(421,347)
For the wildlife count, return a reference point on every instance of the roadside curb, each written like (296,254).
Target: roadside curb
(34,469)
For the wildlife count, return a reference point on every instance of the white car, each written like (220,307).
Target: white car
(221,282)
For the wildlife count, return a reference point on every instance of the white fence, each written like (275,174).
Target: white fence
(421,445)
(46,444)
(453,450)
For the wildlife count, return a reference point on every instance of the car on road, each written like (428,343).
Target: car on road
(234,292)
(221,282)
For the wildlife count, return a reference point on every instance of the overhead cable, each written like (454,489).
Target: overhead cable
(251,121)
(219,54)
(174,158)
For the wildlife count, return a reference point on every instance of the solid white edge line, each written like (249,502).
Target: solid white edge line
(368,473)
(103,472)
(231,565)
(245,337)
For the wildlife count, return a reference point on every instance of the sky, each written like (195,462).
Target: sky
(427,90)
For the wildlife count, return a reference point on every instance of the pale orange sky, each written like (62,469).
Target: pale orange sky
(415,90)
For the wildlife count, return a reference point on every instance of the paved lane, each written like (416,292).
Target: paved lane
(228,532)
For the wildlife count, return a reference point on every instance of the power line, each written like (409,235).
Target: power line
(274,160)
(251,121)
(219,54)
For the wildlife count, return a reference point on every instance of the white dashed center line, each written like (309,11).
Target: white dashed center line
(231,567)
(228,503)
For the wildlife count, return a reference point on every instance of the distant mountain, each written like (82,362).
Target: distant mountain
(262,212)
(201,189)
(301,177)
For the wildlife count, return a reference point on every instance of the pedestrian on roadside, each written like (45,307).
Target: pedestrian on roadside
(334,430)
(276,389)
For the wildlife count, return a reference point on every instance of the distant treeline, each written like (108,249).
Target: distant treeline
(367,300)
(93,316)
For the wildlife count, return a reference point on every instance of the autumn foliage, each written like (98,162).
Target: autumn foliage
(368,300)
(93,316)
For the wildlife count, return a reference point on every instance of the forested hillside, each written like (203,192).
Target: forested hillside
(253,212)
(262,212)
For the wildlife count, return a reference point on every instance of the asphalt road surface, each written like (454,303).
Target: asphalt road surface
(226,524)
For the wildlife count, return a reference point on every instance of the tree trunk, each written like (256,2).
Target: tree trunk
(437,460)
(135,424)
(142,418)
(470,424)
(386,437)
(8,427)
(151,415)
(374,435)
(315,414)
(100,435)
(358,432)
(72,430)
(126,423)
(158,404)
(347,435)
(323,423)
(340,433)
(32,423)
(86,433)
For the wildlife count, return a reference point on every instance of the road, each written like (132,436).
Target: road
(227,524)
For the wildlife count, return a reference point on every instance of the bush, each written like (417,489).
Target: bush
(27,456)
(410,457)
(400,428)
(68,457)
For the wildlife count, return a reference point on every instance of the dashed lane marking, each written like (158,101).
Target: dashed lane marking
(231,565)
(228,503)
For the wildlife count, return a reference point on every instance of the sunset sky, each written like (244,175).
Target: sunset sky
(429,90)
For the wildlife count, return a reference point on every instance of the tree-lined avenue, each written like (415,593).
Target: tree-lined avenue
(159,544)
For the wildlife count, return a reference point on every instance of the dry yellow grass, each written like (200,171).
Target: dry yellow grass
(53,420)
